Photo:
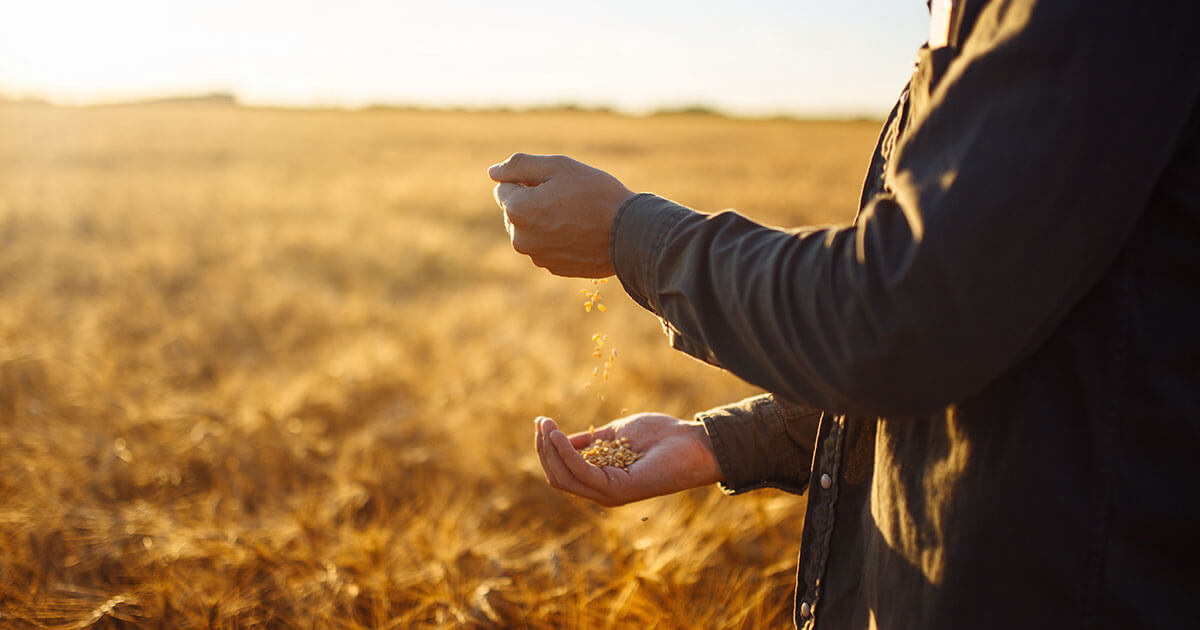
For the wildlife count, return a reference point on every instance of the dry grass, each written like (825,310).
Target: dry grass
(278,369)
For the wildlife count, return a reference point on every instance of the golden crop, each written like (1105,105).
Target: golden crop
(269,368)
(593,296)
(616,453)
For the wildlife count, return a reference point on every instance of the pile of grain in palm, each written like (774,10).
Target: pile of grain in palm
(615,453)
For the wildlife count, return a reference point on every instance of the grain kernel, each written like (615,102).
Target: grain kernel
(616,453)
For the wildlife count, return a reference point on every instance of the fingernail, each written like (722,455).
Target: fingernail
(492,169)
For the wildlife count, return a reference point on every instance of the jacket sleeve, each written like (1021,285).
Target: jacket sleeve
(1013,190)
(762,442)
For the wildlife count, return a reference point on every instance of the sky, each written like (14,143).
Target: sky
(752,57)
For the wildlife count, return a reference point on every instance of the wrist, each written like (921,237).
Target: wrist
(709,470)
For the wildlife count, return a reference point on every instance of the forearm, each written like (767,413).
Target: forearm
(1016,188)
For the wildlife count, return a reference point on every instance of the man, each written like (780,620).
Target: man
(989,384)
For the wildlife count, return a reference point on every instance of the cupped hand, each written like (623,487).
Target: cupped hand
(676,455)
(559,212)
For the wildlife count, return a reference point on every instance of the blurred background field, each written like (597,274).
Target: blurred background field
(278,368)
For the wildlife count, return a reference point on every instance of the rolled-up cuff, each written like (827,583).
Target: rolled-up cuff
(761,443)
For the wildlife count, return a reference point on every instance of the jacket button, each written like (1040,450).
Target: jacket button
(805,610)
(826,481)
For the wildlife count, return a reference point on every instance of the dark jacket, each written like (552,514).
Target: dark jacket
(993,375)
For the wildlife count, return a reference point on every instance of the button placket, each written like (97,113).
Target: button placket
(815,556)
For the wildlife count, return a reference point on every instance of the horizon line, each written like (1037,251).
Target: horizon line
(231,99)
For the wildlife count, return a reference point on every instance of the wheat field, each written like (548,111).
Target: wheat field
(278,368)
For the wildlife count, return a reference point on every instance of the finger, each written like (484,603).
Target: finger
(542,448)
(582,439)
(578,467)
(564,479)
(507,194)
(525,169)
(521,242)
(548,426)
(537,442)
(508,226)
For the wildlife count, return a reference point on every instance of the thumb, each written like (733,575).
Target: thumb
(522,168)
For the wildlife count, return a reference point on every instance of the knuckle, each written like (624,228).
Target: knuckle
(519,212)
(521,243)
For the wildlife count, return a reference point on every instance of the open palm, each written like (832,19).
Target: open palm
(676,455)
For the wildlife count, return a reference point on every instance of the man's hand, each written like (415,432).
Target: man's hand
(559,212)
(676,455)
